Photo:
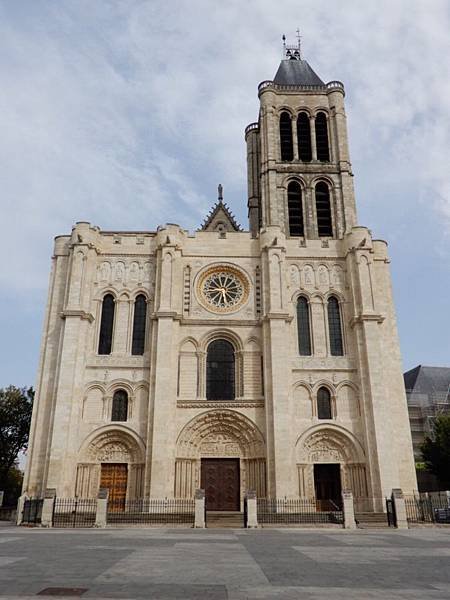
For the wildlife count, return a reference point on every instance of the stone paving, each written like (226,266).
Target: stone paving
(218,564)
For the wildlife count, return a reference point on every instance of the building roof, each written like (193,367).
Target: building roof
(220,218)
(430,381)
(296,72)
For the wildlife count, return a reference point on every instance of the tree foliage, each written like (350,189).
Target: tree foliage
(436,451)
(15,417)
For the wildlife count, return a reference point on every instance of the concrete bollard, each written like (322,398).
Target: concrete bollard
(252,513)
(399,508)
(199,519)
(47,507)
(20,507)
(102,507)
(348,509)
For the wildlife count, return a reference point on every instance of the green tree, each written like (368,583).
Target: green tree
(436,451)
(16,405)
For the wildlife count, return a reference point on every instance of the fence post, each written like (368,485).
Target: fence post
(348,509)
(102,507)
(399,508)
(20,507)
(47,507)
(447,493)
(199,519)
(252,513)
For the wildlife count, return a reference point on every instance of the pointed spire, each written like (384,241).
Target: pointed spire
(220,217)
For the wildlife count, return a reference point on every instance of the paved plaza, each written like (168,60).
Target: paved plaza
(216,564)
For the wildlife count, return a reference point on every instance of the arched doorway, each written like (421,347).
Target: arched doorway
(222,451)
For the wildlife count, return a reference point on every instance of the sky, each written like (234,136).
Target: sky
(128,113)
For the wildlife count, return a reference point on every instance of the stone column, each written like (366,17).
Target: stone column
(47,507)
(312,125)
(252,513)
(294,138)
(102,508)
(348,510)
(199,520)
(20,507)
(399,508)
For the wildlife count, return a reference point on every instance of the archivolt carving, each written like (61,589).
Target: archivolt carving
(328,444)
(220,433)
(113,446)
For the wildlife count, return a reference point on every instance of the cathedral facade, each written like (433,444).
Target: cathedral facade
(225,359)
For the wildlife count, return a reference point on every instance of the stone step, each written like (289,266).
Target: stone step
(371,519)
(219,519)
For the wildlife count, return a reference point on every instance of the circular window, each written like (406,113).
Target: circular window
(222,289)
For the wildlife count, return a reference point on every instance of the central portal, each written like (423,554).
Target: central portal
(327,484)
(220,480)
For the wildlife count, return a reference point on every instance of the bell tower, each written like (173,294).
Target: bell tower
(299,171)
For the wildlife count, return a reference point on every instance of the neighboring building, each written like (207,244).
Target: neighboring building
(265,359)
(428,395)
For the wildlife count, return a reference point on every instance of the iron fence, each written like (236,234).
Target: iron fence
(428,508)
(289,511)
(74,512)
(32,511)
(151,511)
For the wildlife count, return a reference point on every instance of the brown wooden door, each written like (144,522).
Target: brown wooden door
(220,480)
(114,477)
(327,484)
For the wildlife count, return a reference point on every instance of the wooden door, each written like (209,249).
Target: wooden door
(327,484)
(220,480)
(114,477)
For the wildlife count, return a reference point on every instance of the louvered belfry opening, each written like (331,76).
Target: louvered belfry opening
(287,149)
(323,210)
(304,137)
(335,327)
(303,327)
(295,209)
(323,151)
(220,371)
(106,325)
(139,319)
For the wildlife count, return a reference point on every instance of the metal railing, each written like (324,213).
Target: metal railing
(74,512)
(428,508)
(151,511)
(289,511)
(306,87)
(32,511)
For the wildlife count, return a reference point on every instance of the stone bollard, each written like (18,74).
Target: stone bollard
(47,507)
(102,507)
(20,507)
(348,509)
(1,498)
(252,513)
(199,519)
(448,498)
(399,509)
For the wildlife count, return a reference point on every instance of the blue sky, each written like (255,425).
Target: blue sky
(129,113)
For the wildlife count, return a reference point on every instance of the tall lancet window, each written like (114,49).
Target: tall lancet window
(119,406)
(220,371)
(323,210)
(106,325)
(323,151)
(324,404)
(287,149)
(295,209)
(304,137)
(140,316)
(335,327)
(303,327)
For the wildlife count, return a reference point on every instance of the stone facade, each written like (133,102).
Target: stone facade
(272,425)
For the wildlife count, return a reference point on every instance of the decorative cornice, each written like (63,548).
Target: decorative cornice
(366,317)
(218,404)
(280,316)
(81,314)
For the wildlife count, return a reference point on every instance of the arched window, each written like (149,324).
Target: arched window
(140,316)
(287,150)
(323,404)
(323,151)
(323,210)
(119,406)
(334,327)
(303,327)
(304,137)
(106,325)
(295,209)
(220,371)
